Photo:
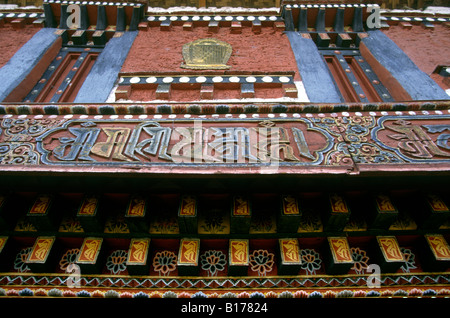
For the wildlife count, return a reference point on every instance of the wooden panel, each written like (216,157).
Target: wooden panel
(137,258)
(339,256)
(90,256)
(188,256)
(238,257)
(290,259)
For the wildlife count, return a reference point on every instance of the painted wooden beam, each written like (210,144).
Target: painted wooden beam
(21,65)
(315,75)
(103,75)
(416,83)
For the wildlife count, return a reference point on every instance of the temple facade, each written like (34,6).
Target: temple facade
(225,149)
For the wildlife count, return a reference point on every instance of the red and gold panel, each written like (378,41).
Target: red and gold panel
(241,206)
(89,250)
(390,249)
(189,252)
(290,253)
(138,251)
(136,207)
(3,240)
(239,252)
(338,204)
(384,203)
(439,247)
(188,206)
(41,249)
(436,203)
(290,205)
(88,206)
(41,205)
(340,250)
(2,200)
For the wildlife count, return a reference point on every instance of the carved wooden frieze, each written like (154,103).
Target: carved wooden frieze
(282,143)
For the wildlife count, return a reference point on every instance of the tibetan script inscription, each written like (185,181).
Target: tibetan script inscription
(241,206)
(137,253)
(439,246)
(3,240)
(188,206)
(239,252)
(88,206)
(133,142)
(41,250)
(189,249)
(290,253)
(290,205)
(136,207)
(338,204)
(226,142)
(89,250)
(384,203)
(390,249)
(415,138)
(436,203)
(340,250)
(41,205)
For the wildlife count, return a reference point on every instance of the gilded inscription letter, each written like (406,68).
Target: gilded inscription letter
(116,137)
(79,146)
(414,141)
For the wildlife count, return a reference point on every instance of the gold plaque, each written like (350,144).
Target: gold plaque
(239,252)
(390,249)
(439,246)
(290,205)
(3,240)
(338,204)
(290,253)
(436,203)
(340,250)
(188,206)
(89,250)
(188,254)
(204,54)
(136,207)
(41,249)
(138,251)
(241,206)
(41,205)
(88,206)
(384,203)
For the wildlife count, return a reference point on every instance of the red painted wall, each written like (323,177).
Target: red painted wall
(427,48)
(11,40)
(156,51)
(161,51)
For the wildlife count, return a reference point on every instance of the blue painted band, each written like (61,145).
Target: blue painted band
(25,59)
(316,77)
(103,75)
(415,82)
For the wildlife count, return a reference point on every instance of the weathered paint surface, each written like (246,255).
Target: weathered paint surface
(11,40)
(417,83)
(426,47)
(316,77)
(103,75)
(227,144)
(156,51)
(25,59)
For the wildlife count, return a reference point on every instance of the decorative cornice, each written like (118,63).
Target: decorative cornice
(235,108)
(403,285)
